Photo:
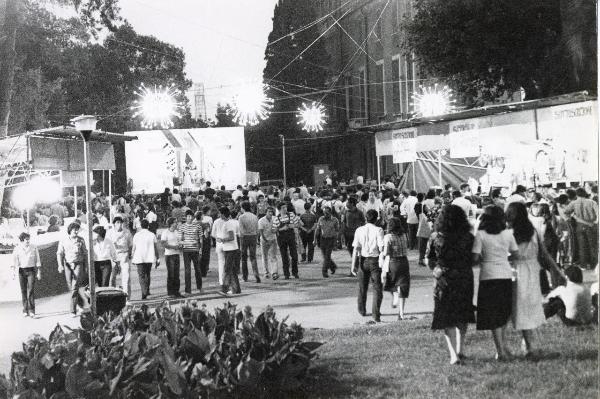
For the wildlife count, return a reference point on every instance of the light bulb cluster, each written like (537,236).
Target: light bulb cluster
(251,105)
(156,106)
(312,117)
(433,101)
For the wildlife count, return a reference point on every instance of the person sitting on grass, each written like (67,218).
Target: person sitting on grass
(571,302)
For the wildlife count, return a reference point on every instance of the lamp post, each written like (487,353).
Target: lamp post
(283,151)
(86,124)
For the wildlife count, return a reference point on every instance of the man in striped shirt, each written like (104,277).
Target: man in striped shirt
(283,226)
(191,238)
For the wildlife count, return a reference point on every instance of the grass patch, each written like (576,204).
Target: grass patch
(407,359)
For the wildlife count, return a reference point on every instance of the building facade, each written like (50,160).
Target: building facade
(370,79)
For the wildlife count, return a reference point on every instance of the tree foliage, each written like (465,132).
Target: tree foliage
(485,48)
(284,81)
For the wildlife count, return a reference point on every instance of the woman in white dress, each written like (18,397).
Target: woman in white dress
(527,309)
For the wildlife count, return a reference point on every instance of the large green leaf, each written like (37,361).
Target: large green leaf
(248,372)
(76,380)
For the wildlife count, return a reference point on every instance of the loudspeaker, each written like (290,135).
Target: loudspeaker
(110,299)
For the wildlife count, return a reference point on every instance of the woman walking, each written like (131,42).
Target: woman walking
(527,309)
(493,242)
(450,259)
(104,254)
(395,263)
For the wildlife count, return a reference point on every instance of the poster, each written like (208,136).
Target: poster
(464,138)
(186,159)
(404,145)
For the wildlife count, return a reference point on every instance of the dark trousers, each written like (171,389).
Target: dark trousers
(143,270)
(173,266)
(77,279)
(248,251)
(369,271)
(188,258)
(102,270)
(412,235)
(349,238)
(231,280)
(587,245)
(327,245)
(422,247)
(205,257)
(27,283)
(287,243)
(555,306)
(308,242)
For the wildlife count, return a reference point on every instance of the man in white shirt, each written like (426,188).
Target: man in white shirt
(104,254)
(144,255)
(237,193)
(26,260)
(517,196)
(573,302)
(268,240)
(368,245)
(225,235)
(464,204)
(298,204)
(407,207)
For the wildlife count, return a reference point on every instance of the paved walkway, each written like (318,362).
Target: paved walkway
(312,301)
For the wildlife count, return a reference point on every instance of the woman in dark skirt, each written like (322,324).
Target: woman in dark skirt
(492,245)
(451,261)
(395,273)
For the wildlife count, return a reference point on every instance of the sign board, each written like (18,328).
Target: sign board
(464,138)
(404,145)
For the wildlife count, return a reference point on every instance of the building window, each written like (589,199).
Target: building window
(410,84)
(379,89)
(362,92)
(348,93)
(396,85)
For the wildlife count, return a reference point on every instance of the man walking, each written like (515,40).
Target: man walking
(352,219)
(307,233)
(268,244)
(408,208)
(224,233)
(327,231)
(368,245)
(26,260)
(206,222)
(71,256)
(248,236)
(191,239)
(144,253)
(284,225)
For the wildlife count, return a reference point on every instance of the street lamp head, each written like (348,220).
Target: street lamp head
(85,123)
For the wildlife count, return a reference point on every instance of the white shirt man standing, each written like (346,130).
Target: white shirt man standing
(144,255)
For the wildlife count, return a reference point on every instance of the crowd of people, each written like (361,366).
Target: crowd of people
(530,248)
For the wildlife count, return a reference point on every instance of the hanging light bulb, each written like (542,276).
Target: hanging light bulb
(251,105)
(432,101)
(311,117)
(156,106)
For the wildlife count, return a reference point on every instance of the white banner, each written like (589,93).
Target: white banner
(464,138)
(404,145)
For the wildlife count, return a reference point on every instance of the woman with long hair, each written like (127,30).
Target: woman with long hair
(527,310)
(451,261)
(492,245)
(395,263)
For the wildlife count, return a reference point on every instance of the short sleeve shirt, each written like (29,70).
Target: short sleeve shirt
(494,250)
(144,241)
(171,238)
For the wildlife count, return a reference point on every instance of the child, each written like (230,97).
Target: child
(572,302)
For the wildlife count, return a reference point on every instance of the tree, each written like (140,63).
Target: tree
(95,14)
(486,48)
(289,70)
(224,116)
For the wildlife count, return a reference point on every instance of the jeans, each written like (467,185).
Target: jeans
(369,270)
(188,258)
(327,245)
(269,255)
(587,245)
(422,247)
(349,238)
(249,250)
(287,243)
(412,235)
(173,265)
(102,270)
(205,256)
(143,270)
(231,280)
(77,279)
(27,283)
(307,242)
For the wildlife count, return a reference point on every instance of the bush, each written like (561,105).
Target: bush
(186,353)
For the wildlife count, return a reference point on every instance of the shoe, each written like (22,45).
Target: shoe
(333,269)
(32,315)
(400,318)
(222,293)
(350,274)
(457,362)
(377,320)
(287,277)
(461,356)
(325,275)
(362,313)
(257,279)
(245,279)
(230,292)
(25,314)
(178,295)
(296,276)
(144,297)
(275,276)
